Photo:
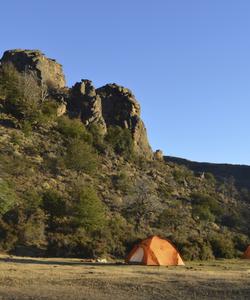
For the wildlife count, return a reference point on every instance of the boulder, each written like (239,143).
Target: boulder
(46,70)
(119,107)
(158,155)
(86,104)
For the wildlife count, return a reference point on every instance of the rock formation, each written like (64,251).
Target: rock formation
(107,106)
(119,107)
(86,104)
(47,70)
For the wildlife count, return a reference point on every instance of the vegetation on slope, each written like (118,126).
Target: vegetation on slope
(67,190)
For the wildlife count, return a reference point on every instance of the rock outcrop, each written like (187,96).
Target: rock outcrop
(107,106)
(119,107)
(47,70)
(86,104)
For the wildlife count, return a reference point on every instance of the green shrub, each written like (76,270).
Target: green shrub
(80,157)
(89,211)
(74,129)
(223,246)
(122,182)
(8,197)
(98,138)
(203,212)
(121,141)
(170,218)
(54,204)
(232,219)
(205,207)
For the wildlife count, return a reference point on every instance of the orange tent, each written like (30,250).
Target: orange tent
(247,253)
(155,251)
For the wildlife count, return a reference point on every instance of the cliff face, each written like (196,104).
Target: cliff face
(85,104)
(110,105)
(46,69)
(120,108)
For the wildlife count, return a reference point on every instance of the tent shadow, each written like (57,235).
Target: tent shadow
(55,262)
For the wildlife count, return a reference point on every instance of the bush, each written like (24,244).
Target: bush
(170,218)
(54,204)
(203,212)
(232,220)
(122,182)
(73,129)
(80,157)
(205,207)
(223,246)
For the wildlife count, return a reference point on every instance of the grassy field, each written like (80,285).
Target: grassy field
(39,278)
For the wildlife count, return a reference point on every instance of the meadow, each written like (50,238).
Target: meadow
(58,278)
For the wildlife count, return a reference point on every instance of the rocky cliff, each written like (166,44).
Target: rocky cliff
(46,69)
(120,108)
(110,105)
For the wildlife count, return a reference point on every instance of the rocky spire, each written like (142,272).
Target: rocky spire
(86,104)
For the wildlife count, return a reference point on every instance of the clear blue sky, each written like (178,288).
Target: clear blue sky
(187,62)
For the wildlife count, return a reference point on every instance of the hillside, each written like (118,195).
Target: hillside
(240,174)
(79,178)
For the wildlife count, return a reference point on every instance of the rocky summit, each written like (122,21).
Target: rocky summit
(47,70)
(111,105)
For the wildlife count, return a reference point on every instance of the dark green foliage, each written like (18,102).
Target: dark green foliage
(54,204)
(232,219)
(8,198)
(89,211)
(9,78)
(97,138)
(203,212)
(25,98)
(121,141)
(222,246)
(22,93)
(205,206)
(73,129)
(195,247)
(80,156)
(170,218)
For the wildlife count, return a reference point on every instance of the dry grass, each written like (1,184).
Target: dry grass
(35,278)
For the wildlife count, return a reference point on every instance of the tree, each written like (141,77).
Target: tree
(80,156)
(7,197)
(89,210)
(142,205)
(73,129)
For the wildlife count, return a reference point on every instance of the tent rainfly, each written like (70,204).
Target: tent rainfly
(247,253)
(155,251)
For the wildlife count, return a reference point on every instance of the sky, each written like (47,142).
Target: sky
(187,62)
